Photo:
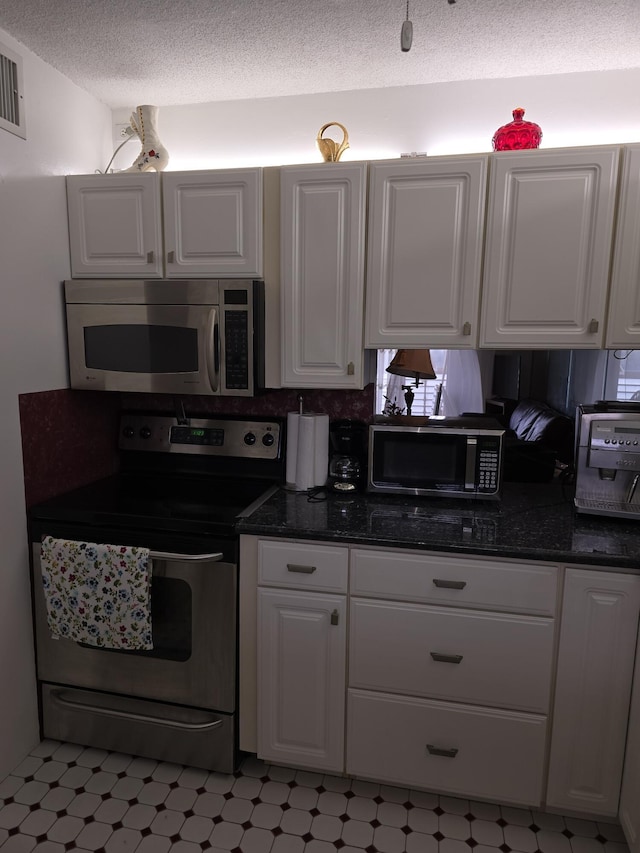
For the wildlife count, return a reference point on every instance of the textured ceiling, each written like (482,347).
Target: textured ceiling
(169,52)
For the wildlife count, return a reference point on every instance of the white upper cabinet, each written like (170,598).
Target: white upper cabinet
(213,223)
(425,231)
(115,226)
(548,247)
(623,329)
(322,275)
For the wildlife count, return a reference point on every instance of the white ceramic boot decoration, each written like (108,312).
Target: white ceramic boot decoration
(153,155)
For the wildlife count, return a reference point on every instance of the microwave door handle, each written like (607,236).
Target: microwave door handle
(212,349)
(470,472)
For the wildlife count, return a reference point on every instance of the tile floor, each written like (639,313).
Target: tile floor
(64,797)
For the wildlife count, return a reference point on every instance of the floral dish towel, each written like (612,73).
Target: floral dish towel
(97,594)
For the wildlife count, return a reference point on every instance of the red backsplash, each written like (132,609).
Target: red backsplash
(69,438)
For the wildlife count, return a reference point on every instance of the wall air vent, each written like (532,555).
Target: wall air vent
(11,93)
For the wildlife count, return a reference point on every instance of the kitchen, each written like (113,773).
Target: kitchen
(71,132)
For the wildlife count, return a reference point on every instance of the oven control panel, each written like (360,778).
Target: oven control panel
(247,439)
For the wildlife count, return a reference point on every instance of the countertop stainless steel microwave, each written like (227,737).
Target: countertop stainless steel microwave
(169,337)
(451,457)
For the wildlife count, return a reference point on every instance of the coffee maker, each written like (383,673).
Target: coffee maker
(347,463)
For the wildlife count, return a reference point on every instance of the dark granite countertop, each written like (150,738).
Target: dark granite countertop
(532,521)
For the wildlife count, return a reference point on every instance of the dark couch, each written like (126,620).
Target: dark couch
(537,438)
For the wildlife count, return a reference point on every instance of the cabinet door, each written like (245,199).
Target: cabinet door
(301,678)
(115,228)
(595,667)
(322,269)
(630,793)
(426,224)
(623,329)
(548,248)
(213,223)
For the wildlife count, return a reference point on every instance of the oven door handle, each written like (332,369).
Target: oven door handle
(59,697)
(187,558)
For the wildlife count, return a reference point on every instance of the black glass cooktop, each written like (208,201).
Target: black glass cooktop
(157,502)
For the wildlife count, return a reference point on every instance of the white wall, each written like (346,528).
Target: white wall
(67,131)
(443,118)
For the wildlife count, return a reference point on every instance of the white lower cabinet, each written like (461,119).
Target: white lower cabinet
(629,812)
(461,676)
(459,749)
(593,689)
(301,657)
(452,697)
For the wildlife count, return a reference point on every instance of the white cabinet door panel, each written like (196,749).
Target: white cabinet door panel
(460,581)
(115,228)
(630,793)
(301,678)
(425,232)
(322,269)
(213,223)
(453,654)
(450,748)
(624,309)
(323,568)
(548,248)
(594,675)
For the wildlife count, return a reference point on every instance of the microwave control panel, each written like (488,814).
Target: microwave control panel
(487,473)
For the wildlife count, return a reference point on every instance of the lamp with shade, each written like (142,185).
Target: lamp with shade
(415,364)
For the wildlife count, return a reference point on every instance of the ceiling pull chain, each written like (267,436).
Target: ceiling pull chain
(406,33)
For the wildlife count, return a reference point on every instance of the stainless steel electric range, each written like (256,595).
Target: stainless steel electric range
(182,485)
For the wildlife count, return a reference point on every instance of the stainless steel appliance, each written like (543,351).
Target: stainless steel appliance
(181,488)
(171,337)
(443,457)
(608,459)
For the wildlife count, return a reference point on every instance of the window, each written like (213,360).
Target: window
(623,375)
(390,391)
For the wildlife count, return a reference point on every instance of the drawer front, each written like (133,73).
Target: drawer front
(300,566)
(449,653)
(439,579)
(470,752)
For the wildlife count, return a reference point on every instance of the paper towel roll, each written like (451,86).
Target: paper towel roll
(292,448)
(307,455)
(321,450)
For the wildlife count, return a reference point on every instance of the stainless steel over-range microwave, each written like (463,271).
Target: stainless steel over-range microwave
(448,457)
(169,337)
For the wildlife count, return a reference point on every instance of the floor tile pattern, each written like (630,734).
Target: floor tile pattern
(66,797)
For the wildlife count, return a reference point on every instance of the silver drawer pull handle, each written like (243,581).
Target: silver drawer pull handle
(438,656)
(445,753)
(303,570)
(449,584)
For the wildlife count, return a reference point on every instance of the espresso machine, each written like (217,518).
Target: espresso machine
(608,459)
(347,463)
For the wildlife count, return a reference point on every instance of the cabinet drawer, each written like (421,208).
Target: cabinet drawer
(444,653)
(438,579)
(489,754)
(302,566)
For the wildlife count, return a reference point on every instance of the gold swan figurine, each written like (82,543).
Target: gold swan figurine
(330,149)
